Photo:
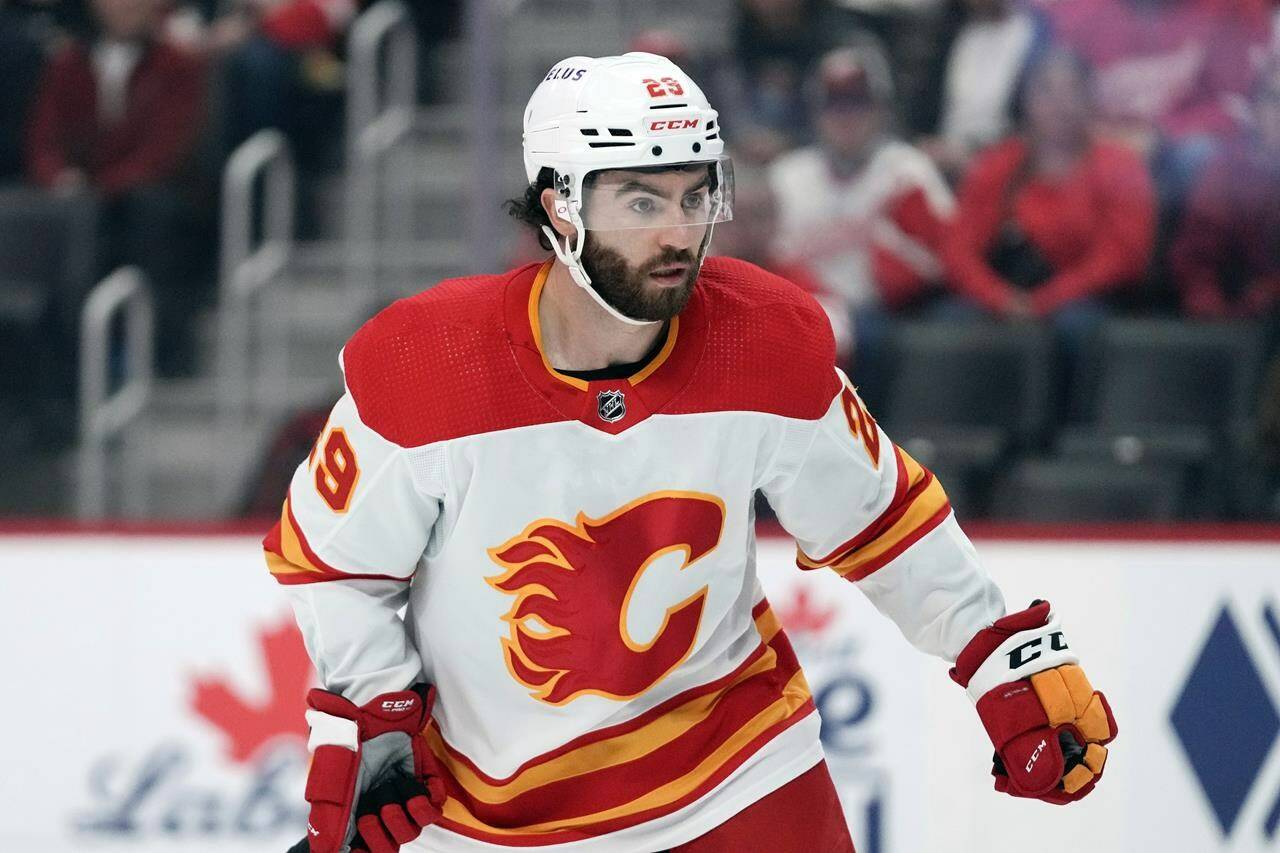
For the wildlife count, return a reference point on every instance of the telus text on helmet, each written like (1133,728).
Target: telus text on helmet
(565,74)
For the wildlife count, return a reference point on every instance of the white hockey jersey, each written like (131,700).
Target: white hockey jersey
(577,558)
(872,237)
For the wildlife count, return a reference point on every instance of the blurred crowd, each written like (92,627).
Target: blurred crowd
(1061,161)
(1056,163)
(121,114)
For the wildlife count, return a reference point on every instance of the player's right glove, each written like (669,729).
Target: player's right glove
(371,754)
(1045,719)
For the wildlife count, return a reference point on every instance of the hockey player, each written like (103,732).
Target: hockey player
(552,472)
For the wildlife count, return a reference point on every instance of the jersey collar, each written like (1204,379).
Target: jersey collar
(609,405)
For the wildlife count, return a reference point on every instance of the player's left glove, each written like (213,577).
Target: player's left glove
(1045,719)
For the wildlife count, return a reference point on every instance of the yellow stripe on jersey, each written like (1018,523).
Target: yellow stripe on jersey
(767,692)
(794,695)
(596,756)
(923,513)
(290,559)
(920,504)
(768,625)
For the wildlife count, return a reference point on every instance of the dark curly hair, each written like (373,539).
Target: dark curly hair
(528,208)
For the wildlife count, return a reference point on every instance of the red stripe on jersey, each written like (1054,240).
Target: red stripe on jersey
(604,827)
(906,542)
(911,515)
(312,577)
(904,493)
(628,774)
(291,560)
(616,730)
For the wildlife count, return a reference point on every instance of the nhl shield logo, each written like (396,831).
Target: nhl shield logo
(611,406)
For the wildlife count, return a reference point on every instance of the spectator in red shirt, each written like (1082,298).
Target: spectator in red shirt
(1050,221)
(119,115)
(1226,258)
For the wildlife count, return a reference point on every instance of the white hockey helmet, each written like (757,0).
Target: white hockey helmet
(635,111)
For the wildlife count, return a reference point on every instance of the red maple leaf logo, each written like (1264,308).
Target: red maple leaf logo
(249,725)
(801,615)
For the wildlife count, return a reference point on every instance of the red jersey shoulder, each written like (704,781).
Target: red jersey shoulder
(769,345)
(733,284)
(438,365)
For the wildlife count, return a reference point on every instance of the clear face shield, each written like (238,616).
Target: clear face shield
(680,201)
(671,196)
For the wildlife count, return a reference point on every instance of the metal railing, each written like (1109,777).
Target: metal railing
(252,363)
(369,94)
(105,415)
(380,115)
(484,27)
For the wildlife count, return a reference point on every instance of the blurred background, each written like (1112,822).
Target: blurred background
(1047,233)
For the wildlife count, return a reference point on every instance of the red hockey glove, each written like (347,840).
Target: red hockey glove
(1046,721)
(394,811)
(373,749)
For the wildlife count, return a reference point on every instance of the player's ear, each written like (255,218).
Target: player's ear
(550,200)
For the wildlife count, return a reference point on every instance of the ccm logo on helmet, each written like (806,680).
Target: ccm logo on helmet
(674,124)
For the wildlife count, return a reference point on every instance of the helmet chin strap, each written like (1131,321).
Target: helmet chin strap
(571,258)
(702,250)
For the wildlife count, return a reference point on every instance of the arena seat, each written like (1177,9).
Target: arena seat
(47,252)
(963,397)
(1166,392)
(47,265)
(1069,490)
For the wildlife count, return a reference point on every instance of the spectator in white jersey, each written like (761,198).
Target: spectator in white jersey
(749,237)
(984,66)
(865,209)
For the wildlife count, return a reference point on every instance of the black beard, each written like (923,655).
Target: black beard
(622,287)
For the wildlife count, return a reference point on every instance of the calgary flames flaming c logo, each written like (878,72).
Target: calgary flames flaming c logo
(573,586)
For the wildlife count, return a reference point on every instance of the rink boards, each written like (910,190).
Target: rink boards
(154,679)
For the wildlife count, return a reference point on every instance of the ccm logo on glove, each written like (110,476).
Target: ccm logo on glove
(399,705)
(373,784)
(1036,754)
(1017,657)
(1047,723)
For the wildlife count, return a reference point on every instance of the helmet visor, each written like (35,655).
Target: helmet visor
(675,195)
